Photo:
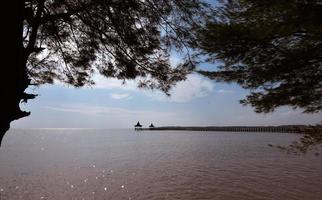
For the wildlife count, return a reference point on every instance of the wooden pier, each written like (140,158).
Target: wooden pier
(271,129)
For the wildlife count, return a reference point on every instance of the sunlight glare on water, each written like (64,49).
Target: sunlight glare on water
(123,164)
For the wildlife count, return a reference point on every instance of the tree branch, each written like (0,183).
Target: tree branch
(35,25)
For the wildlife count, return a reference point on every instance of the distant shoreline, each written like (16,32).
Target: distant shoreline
(280,129)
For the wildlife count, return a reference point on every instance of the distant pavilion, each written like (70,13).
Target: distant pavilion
(138,126)
(151,125)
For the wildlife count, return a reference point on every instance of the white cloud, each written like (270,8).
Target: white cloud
(194,87)
(119,95)
(102,82)
(223,91)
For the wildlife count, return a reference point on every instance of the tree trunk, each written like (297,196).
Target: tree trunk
(14,79)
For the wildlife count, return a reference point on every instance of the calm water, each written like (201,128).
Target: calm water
(123,164)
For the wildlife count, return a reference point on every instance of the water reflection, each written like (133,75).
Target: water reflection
(158,165)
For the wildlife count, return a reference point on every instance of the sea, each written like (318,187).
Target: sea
(119,164)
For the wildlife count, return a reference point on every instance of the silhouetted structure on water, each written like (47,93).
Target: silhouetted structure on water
(138,126)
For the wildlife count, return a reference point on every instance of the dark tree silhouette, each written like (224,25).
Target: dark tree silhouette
(70,40)
(272,47)
(310,141)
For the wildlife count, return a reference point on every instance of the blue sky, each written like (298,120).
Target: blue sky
(110,104)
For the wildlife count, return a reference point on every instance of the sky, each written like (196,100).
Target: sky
(198,101)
